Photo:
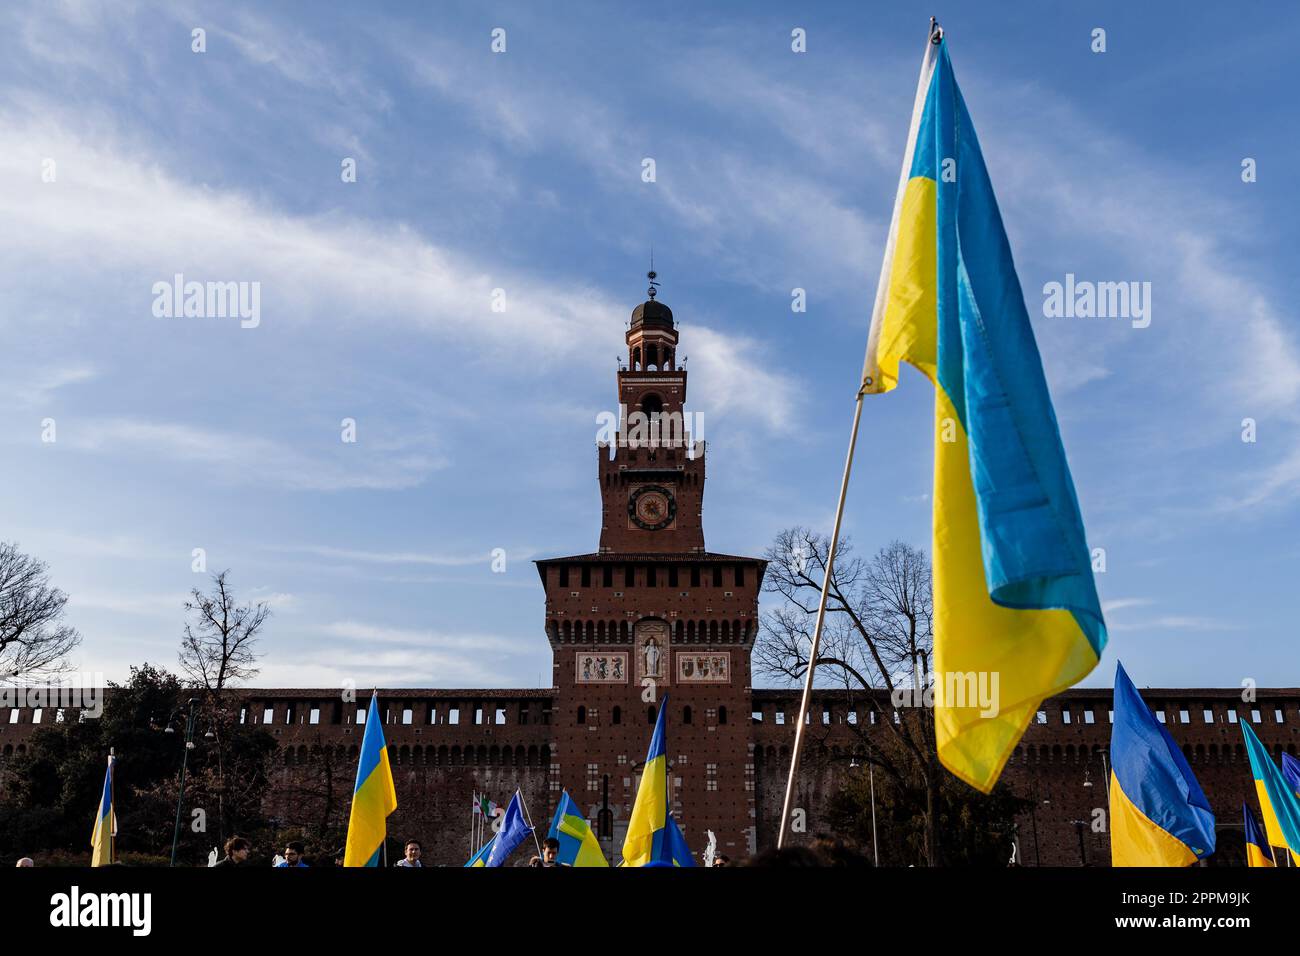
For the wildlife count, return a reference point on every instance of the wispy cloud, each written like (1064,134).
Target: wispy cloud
(457,559)
(239,457)
(32,388)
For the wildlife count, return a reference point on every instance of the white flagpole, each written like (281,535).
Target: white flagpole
(787,806)
(529,818)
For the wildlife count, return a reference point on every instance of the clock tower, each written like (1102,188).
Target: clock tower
(652,478)
(652,616)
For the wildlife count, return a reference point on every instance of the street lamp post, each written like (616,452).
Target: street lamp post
(180,796)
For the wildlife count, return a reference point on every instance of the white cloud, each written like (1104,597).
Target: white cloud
(459,559)
(1119,604)
(238,457)
(30,388)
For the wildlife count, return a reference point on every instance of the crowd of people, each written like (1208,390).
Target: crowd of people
(825,850)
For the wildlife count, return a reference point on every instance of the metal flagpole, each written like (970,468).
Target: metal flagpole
(875,847)
(787,806)
(529,818)
(474,798)
(881,289)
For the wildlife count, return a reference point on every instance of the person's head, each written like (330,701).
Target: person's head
(721,859)
(293,851)
(551,850)
(413,850)
(26,861)
(238,848)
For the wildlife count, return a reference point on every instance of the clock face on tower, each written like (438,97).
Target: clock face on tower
(651,507)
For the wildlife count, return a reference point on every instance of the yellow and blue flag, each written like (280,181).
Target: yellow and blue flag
(647,840)
(677,846)
(374,797)
(480,858)
(1158,813)
(578,845)
(514,831)
(105,832)
(1014,596)
(1258,852)
(1278,804)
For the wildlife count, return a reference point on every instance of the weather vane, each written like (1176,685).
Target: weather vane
(652,276)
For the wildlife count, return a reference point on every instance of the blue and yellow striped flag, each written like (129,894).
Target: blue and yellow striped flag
(1158,813)
(647,834)
(105,832)
(678,849)
(481,857)
(1014,596)
(374,797)
(1278,804)
(1258,852)
(578,845)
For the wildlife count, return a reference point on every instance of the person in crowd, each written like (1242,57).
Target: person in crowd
(550,854)
(412,857)
(26,861)
(721,859)
(237,850)
(293,851)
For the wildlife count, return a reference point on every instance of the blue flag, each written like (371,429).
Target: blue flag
(514,831)
(1291,773)
(677,845)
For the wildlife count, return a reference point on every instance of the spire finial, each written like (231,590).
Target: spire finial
(652,276)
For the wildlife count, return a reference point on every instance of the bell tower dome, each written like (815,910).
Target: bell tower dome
(652,480)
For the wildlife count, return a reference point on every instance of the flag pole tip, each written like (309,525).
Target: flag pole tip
(936,31)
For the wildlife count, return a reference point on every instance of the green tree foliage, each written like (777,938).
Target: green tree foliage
(50,793)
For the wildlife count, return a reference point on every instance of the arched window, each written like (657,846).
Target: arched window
(582,714)
(652,405)
(722,715)
(650,715)
(686,715)
(617,715)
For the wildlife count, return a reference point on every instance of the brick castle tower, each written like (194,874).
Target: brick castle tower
(652,614)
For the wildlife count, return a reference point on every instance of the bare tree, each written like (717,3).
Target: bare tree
(877,639)
(219,648)
(220,641)
(34,641)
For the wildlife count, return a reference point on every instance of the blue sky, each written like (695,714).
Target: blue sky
(522,171)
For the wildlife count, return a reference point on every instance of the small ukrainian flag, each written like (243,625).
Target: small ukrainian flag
(648,838)
(1158,813)
(374,797)
(1258,852)
(578,845)
(105,832)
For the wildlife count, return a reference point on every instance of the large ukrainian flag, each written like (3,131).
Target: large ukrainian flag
(101,838)
(1158,813)
(648,839)
(374,797)
(1013,587)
